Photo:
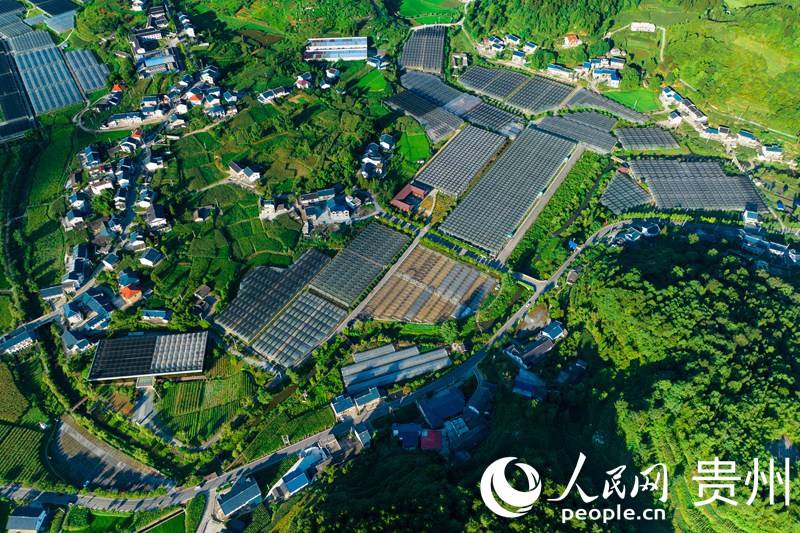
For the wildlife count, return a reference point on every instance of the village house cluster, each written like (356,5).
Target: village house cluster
(493,46)
(685,109)
(189,92)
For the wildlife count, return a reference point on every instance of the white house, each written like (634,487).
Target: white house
(26,519)
(245,172)
(643,26)
(770,153)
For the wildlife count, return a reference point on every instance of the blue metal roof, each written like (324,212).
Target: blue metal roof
(295,481)
(367,396)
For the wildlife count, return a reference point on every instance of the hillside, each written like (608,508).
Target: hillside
(745,64)
(691,355)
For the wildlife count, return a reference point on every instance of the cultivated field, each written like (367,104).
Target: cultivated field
(428,288)
(196,410)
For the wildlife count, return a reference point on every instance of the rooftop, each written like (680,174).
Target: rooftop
(149,355)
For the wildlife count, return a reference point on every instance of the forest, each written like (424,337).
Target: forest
(692,354)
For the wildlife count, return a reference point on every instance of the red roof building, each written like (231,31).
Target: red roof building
(405,199)
(431,439)
(131,293)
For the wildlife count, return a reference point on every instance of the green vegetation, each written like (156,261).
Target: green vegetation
(176,524)
(641,100)
(304,425)
(24,403)
(220,249)
(12,403)
(755,44)
(718,389)
(544,246)
(196,410)
(413,144)
(83,520)
(544,19)
(427,11)
(780,185)
(194,513)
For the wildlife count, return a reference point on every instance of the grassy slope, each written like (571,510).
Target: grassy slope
(745,66)
(641,100)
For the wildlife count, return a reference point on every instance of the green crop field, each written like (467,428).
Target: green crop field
(642,100)
(269,438)
(82,520)
(20,444)
(20,455)
(220,247)
(414,8)
(756,45)
(653,11)
(12,403)
(176,524)
(413,143)
(7,313)
(373,82)
(195,410)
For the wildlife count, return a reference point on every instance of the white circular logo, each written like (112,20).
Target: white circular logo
(494,478)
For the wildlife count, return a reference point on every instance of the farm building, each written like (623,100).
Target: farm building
(383,370)
(336,48)
(139,355)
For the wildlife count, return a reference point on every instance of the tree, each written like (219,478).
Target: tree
(629,79)
(449,331)
(103,203)
(542,58)
(599,48)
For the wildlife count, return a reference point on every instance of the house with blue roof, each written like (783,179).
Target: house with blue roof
(73,218)
(554,331)
(90,157)
(151,257)
(78,200)
(51,293)
(530,386)
(437,409)
(27,518)
(770,153)
(157,316)
(407,434)
(18,340)
(367,399)
(301,474)
(530,48)
(245,494)
(343,407)
(75,342)
(110,261)
(362,435)
(747,138)
(136,241)
(518,57)
(128,277)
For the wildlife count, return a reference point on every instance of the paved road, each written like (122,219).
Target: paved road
(512,243)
